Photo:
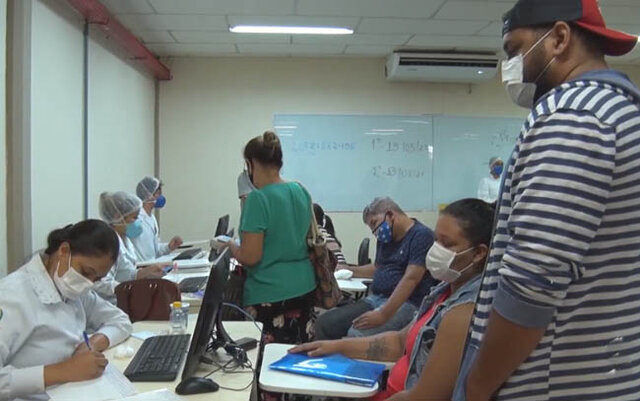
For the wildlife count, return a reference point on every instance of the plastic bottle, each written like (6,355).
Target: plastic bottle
(178,318)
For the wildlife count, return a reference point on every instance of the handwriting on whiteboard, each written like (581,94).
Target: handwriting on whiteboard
(504,137)
(397,172)
(395,146)
(322,146)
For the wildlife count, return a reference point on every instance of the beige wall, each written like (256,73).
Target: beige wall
(121,124)
(213,106)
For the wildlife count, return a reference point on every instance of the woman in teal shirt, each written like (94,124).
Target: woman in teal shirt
(274,224)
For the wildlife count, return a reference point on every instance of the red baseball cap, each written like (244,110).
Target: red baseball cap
(584,13)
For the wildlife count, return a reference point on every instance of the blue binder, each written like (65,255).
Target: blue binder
(332,367)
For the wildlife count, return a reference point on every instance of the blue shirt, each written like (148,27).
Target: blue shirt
(393,258)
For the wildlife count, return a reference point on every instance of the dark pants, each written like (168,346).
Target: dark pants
(335,323)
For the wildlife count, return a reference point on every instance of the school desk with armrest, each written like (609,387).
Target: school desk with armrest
(290,383)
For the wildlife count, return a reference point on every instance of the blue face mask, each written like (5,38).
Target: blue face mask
(134,229)
(160,202)
(497,170)
(383,232)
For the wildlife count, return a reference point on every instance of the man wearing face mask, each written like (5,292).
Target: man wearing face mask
(147,244)
(245,186)
(490,186)
(120,210)
(557,317)
(400,278)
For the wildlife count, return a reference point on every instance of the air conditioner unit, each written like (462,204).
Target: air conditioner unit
(441,67)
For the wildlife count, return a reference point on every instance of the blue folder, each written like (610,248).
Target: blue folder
(332,367)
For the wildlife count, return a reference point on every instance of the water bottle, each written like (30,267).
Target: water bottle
(178,318)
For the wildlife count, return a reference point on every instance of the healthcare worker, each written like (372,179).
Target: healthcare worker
(489,187)
(46,305)
(147,244)
(120,210)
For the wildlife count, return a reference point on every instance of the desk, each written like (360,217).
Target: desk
(283,382)
(193,299)
(237,380)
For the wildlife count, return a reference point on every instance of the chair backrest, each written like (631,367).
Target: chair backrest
(147,299)
(363,253)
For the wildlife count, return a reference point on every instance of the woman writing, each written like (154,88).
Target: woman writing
(46,305)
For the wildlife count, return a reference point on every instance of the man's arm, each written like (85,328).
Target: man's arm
(366,271)
(412,277)
(505,346)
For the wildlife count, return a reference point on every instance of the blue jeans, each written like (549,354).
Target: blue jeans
(336,323)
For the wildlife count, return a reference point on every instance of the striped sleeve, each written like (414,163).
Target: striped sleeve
(559,188)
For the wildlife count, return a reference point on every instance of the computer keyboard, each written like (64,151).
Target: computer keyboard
(188,254)
(158,359)
(193,284)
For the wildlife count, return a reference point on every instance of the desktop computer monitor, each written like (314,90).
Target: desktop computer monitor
(209,315)
(223,225)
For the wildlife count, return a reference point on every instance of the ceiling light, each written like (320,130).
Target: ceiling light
(480,72)
(291,30)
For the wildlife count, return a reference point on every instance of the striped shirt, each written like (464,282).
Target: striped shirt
(566,253)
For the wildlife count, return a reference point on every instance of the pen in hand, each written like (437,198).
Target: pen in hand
(86,339)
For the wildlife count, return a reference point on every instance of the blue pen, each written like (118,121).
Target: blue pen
(86,339)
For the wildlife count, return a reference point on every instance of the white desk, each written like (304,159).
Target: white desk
(353,285)
(283,382)
(194,299)
(236,380)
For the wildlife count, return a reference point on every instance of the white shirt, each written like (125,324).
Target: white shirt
(488,189)
(39,328)
(123,270)
(147,244)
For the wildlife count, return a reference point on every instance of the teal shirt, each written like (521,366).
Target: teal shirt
(282,212)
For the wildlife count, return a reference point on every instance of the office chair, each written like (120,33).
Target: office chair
(363,253)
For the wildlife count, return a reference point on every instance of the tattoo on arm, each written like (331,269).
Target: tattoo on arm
(377,349)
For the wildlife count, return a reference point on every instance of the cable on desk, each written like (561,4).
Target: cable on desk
(244,313)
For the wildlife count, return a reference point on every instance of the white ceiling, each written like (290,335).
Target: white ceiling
(200,27)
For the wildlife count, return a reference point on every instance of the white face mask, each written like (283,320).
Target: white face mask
(439,261)
(72,284)
(522,93)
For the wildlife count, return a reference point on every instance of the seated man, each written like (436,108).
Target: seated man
(147,244)
(400,278)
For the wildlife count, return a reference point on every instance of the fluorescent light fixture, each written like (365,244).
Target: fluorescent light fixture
(291,30)
(388,130)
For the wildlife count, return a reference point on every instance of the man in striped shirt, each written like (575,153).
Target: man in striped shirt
(558,314)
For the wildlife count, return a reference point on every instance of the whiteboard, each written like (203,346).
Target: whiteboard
(419,161)
(462,149)
(347,160)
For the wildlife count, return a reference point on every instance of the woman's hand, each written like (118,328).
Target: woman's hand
(175,243)
(317,348)
(153,271)
(99,342)
(81,366)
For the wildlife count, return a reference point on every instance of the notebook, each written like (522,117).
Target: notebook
(332,367)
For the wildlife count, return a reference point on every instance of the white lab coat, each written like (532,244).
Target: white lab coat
(123,270)
(489,189)
(147,244)
(38,328)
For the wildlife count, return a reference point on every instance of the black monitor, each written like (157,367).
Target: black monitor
(209,316)
(223,225)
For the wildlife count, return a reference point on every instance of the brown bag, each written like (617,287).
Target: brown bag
(327,293)
(147,299)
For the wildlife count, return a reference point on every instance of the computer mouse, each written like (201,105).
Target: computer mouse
(196,385)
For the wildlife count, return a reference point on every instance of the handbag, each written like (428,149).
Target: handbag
(327,294)
(147,299)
